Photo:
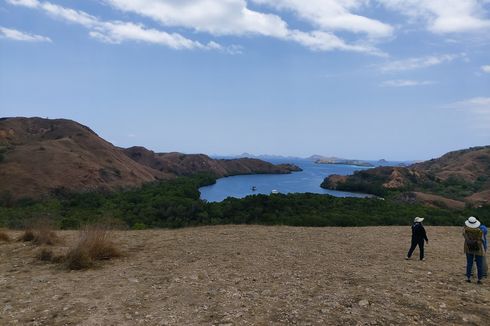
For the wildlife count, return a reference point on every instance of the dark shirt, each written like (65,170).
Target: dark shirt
(418,233)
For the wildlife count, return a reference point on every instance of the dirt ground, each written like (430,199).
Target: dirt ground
(249,275)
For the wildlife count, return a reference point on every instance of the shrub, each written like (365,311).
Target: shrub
(40,232)
(40,237)
(139,226)
(45,236)
(4,237)
(28,235)
(78,258)
(94,244)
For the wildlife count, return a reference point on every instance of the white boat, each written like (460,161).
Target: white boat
(274,191)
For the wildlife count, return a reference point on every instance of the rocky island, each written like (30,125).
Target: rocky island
(341,161)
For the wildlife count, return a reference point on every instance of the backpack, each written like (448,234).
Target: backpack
(473,245)
(472,240)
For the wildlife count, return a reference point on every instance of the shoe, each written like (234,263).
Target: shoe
(407,258)
(468,281)
(423,259)
(479,282)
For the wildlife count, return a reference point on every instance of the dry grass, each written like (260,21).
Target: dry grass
(40,233)
(27,236)
(41,236)
(47,255)
(93,245)
(4,237)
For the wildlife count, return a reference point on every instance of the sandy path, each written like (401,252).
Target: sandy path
(249,275)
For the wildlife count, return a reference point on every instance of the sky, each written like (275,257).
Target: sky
(366,79)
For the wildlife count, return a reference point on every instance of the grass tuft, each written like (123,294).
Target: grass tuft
(47,255)
(40,233)
(93,245)
(27,236)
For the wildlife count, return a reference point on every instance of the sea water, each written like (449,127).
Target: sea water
(308,180)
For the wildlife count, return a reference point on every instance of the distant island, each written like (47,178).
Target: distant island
(341,161)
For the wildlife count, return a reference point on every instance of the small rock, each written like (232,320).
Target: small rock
(363,303)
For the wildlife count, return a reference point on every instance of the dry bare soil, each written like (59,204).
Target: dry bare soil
(249,275)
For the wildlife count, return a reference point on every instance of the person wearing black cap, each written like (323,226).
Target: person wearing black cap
(418,237)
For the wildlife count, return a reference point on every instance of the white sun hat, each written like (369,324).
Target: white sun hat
(418,219)
(472,222)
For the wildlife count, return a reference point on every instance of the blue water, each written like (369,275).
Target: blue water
(308,180)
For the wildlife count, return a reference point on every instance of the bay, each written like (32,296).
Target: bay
(308,180)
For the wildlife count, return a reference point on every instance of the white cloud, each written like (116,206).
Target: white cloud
(233,17)
(333,15)
(221,17)
(16,35)
(486,69)
(324,20)
(406,83)
(444,16)
(418,63)
(115,31)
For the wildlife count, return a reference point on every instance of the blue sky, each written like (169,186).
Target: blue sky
(354,78)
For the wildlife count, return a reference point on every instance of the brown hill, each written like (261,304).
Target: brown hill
(188,164)
(452,180)
(42,155)
(39,156)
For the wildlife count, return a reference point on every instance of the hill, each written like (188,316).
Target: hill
(189,164)
(454,180)
(41,156)
(249,275)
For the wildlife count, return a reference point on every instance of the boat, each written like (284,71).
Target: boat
(274,191)
(254,188)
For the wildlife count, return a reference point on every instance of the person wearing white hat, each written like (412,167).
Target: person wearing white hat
(473,247)
(418,237)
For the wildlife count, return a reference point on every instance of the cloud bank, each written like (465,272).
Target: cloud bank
(329,25)
(115,31)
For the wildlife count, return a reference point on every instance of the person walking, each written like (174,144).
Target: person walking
(418,237)
(484,229)
(473,247)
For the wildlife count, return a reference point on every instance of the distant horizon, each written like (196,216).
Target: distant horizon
(400,80)
(252,153)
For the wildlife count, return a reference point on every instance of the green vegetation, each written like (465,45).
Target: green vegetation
(176,203)
(453,187)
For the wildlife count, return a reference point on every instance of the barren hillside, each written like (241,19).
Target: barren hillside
(249,275)
(453,180)
(40,156)
(43,155)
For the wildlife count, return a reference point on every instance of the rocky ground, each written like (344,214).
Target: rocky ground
(249,275)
